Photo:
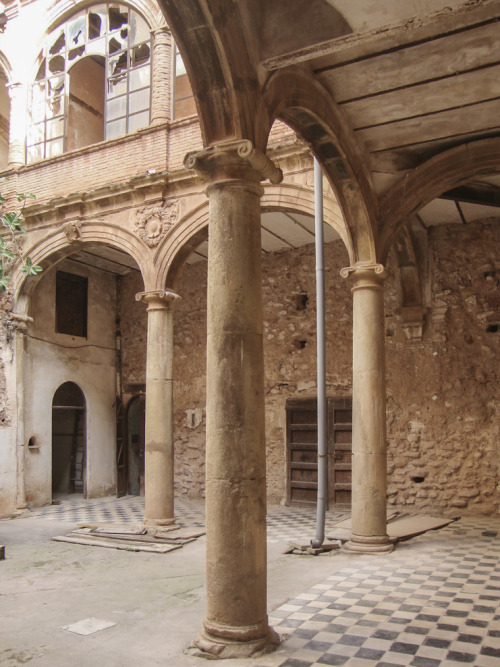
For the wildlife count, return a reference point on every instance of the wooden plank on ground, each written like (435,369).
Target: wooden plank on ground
(410,526)
(117,544)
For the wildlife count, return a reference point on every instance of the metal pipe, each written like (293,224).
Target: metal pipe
(320,358)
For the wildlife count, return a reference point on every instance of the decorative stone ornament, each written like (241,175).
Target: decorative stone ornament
(73,231)
(153,222)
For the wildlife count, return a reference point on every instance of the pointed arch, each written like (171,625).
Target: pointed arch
(440,173)
(293,96)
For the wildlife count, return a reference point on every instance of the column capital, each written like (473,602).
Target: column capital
(232,160)
(157,299)
(163,29)
(365,274)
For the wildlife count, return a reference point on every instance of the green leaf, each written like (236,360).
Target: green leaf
(23,196)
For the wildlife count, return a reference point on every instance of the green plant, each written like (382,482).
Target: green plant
(10,246)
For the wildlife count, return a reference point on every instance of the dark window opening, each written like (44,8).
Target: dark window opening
(71,304)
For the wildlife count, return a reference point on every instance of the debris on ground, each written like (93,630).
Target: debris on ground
(130,537)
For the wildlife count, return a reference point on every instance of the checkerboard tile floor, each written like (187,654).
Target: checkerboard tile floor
(433,601)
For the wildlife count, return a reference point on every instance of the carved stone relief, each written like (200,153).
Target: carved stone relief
(154,222)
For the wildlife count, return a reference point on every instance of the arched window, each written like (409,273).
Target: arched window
(92,81)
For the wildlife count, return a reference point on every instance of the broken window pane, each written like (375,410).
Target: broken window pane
(76,31)
(56,64)
(138,121)
(139,101)
(139,29)
(76,53)
(118,16)
(139,78)
(97,22)
(116,129)
(117,86)
(118,64)
(59,42)
(140,55)
(116,108)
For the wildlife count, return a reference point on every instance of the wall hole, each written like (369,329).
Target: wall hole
(492,328)
(418,480)
(300,344)
(301,301)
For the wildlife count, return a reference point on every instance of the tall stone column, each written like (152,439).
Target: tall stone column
(17,124)
(369,449)
(162,68)
(159,441)
(236,624)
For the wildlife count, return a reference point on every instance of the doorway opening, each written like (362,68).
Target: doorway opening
(135,445)
(302,451)
(69,455)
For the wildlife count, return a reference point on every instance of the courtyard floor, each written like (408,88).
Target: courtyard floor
(433,601)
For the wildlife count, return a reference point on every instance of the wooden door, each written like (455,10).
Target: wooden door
(302,456)
(302,451)
(339,452)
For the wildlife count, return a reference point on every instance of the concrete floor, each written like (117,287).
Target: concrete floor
(158,600)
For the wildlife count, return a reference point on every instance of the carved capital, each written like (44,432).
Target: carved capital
(153,222)
(158,299)
(365,275)
(233,160)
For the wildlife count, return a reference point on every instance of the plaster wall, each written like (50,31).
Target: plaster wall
(51,360)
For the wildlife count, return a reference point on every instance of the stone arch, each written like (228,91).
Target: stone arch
(295,97)
(70,237)
(215,53)
(193,228)
(440,173)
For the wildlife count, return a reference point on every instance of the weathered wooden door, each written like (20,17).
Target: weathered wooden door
(302,448)
(302,457)
(339,452)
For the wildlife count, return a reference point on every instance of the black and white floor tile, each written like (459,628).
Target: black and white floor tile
(434,601)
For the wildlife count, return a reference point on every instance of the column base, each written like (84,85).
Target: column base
(235,642)
(368,544)
(156,526)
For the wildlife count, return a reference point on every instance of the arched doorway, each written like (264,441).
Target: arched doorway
(135,445)
(68,440)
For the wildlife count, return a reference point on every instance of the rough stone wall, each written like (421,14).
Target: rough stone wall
(443,418)
(443,425)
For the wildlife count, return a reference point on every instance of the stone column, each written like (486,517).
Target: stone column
(236,624)
(159,450)
(161,78)
(369,448)
(17,124)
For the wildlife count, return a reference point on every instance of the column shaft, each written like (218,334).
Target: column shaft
(236,624)
(17,124)
(369,450)
(161,90)
(159,450)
